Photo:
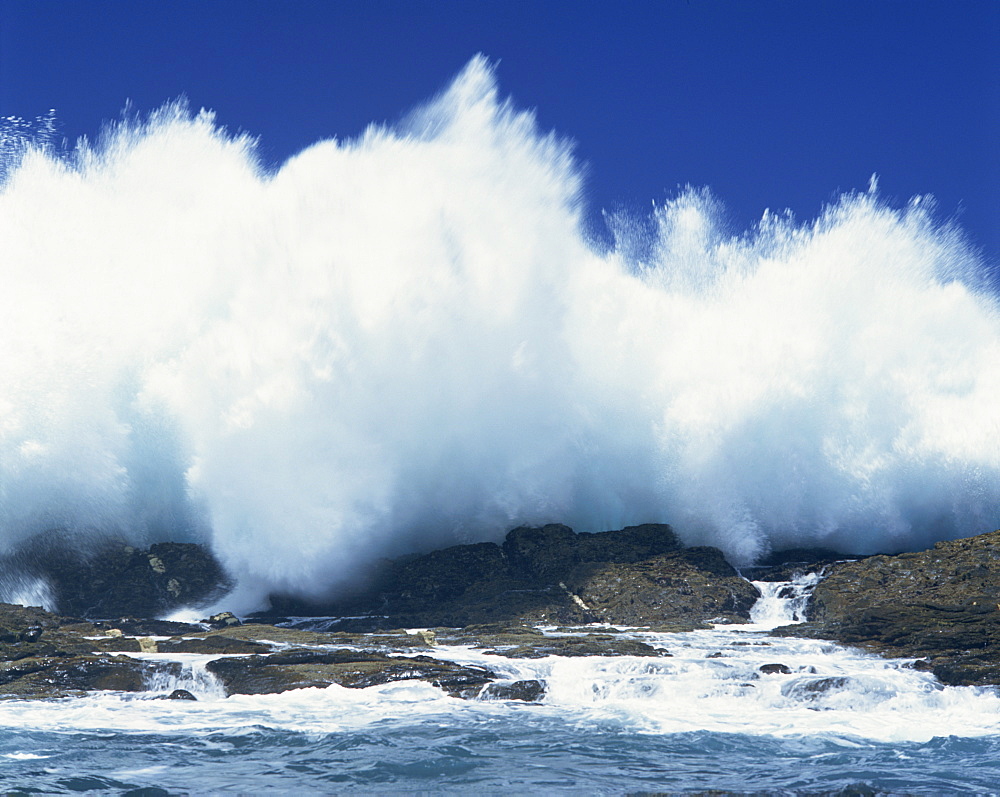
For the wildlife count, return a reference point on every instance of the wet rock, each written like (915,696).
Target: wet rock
(942,605)
(181,694)
(398,639)
(551,552)
(120,644)
(115,579)
(774,669)
(31,632)
(690,585)
(47,677)
(222,620)
(636,576)
(131,626)
(793,563)
(812,689)
(303,668)
(426,581)
(492,635)
(212,644)
(574,646)
(530,691)
(17,623)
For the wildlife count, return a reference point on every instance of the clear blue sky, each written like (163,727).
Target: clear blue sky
(772,104)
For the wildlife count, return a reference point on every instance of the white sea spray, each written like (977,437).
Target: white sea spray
(408,340)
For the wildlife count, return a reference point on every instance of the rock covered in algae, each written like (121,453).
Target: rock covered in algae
(299,668)
(640,575)
(940,605)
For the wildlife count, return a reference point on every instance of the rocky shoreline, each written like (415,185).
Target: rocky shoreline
(939,608)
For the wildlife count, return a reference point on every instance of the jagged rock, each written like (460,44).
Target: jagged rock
(792,563)
(222,620)
(46,677)
(636,576)
(117,580)
(426,581)
(31,632)
(694,585)
(942,604)
(551,552)
(530,691)
(132,626)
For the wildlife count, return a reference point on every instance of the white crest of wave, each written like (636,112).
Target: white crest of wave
(406,340)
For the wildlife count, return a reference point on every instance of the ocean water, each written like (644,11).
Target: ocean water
(409,340)
(703,718)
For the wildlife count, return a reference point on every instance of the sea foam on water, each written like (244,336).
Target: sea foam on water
(408,340)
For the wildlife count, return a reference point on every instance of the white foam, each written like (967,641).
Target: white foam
(406,341)
(782,602)
(712,681)
(194,677)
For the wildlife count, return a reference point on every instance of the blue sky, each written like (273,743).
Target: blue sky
(771,104)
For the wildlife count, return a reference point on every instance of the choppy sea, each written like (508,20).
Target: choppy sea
(704,718)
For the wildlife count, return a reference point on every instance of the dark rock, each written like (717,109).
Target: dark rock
(812,689)
(31,632)
(636,576)
(942,605)
(212,644)
(793,563)
(18,623)
(544,553)
(302,668)
(131,626)
(962,575)
(439,576)
(528,691)
(589,645)
(222,620)
(114,579)
(181,694)
(774,669)
(46,677)
(692,585)
(549,553)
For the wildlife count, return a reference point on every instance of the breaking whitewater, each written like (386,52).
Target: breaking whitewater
(730,709)
(407,341)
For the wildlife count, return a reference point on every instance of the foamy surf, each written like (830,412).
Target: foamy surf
(731,708)
(734,679)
